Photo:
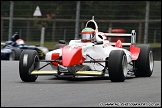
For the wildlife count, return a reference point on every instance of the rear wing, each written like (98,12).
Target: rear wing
(130,37)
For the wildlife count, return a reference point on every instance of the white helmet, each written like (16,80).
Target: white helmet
(20,42)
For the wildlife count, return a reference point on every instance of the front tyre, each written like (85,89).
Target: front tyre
(29,61)
(145,63)
(117,66)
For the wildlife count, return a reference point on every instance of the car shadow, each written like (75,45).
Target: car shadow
(76,80)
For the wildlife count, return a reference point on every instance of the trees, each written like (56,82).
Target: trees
(100,9)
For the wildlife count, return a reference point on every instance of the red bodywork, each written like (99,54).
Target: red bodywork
(72,55)
(53,57)
(134,51)
(118,44)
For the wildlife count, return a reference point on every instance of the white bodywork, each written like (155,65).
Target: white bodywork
(98,52)
(101,51)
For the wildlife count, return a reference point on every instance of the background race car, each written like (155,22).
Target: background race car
(12,49)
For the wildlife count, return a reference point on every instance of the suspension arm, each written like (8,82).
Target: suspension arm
(56,60)
(95,61)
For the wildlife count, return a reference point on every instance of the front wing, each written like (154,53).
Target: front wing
(54,72)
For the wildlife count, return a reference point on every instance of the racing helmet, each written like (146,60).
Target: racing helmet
(87,34)
(20,42)
(14,37)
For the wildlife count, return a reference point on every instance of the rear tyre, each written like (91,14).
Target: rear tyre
(117,66)
(29,61)
(145,63)
(15,54)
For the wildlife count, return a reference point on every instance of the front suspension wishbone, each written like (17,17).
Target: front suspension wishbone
(56,60)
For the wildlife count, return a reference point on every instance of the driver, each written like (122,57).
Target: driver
(88,35)
(20,42)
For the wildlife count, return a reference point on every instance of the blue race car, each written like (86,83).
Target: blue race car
(12,49)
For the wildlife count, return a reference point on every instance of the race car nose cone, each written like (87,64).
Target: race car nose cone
(72,55)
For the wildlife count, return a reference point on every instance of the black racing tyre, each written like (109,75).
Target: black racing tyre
(29,61)
(15,54)
(117,66)
(145,63)
(57,46)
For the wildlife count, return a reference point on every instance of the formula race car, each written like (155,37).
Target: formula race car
(12,49)
(92,55)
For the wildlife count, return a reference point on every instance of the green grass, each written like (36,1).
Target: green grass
(152,44)
(155,44)
(49,45)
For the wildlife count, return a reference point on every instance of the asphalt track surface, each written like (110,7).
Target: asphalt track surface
(49,91)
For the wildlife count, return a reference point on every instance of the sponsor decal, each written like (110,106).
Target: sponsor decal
(97,59)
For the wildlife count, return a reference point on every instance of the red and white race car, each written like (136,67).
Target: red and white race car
(93,55)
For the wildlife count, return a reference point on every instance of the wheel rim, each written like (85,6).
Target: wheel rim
(151,62)
(124,64)
(35,65)
(36,62)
